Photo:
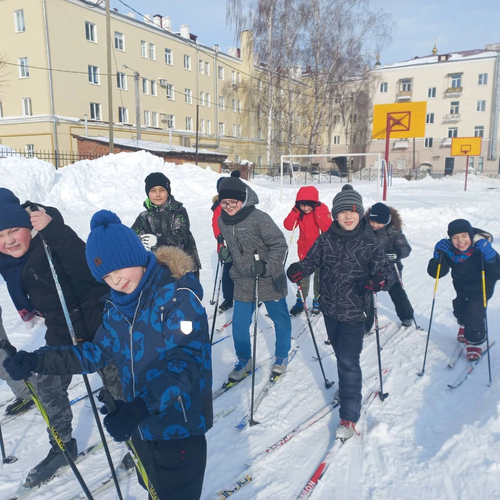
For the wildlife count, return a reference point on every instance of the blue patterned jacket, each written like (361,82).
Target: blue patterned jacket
(163,355)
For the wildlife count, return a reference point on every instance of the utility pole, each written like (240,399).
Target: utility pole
(110,79)
(137,101)
(197,132)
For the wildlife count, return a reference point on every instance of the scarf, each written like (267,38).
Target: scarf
(457,256)
(127,303)
(348,235)
(239,216)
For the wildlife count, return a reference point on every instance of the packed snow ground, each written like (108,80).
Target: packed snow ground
(424,441)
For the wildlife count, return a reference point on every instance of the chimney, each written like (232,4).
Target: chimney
(157,20)
(233,51)
(166,23)
(185,31)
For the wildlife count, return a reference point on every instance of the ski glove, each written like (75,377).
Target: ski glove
(128,416)
(21,365)
(220,239)
(393,254)
(225,254)
(294,272)
(443,245)
(258,268)
(149,241)
(484,246)
(376,284)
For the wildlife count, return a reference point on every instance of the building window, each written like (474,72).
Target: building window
(24,71)
(209,102)
(144,49)
(122,114)
(480,164)
(169,57)
(145,86)
(90,32)
(471,161)
(431,92)
(170,92)
(29,150)
(481,106)
(428,142)
(220,72)
(154,88)
(482,79)
(453,132)
(202,126)
(233,76)
(202,98)
(154,117)
(147,119)
(383,87)
(207,69)
(19,18)
(235,134)
(152,51)
(336,140)
(478,131)
(234,106)
(456,81)
(121,81)
(237,158)
(119,41)
(189,123)
(188,96)
(238,77)
(259,85)
(170,121)
(406,85)
(259,161)
(221,103)
(259,134)
(1,109)
(429,118)
(95,111)
(94,75)
(209,127)
(239,106)
(454,108)
(187,62)
(201,66)
(221,128)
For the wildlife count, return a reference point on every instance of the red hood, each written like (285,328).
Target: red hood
(307,193)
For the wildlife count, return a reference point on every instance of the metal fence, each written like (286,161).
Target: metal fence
(57,158)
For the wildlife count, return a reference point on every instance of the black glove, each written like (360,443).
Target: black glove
(128,416)
(376,283)
(258,268)
(393,254)
(21,365)
(220,239)
(225,254)
(294,272)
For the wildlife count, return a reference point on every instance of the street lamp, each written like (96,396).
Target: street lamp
(137,101)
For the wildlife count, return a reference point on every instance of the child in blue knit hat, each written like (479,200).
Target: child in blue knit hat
(155,328)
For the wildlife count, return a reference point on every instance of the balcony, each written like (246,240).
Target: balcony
(401,144)
(446,142)
(452,117)
(454,91)
(404,95)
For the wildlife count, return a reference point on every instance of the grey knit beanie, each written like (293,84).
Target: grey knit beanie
(347,200)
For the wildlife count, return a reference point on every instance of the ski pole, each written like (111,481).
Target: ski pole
(10,350)
(75,343)
(420,374)
(256,310)
(381,394)
(402,286)
(6,459)
(108,401)
(212,302)
(217,303)
(328,384)
(485,303)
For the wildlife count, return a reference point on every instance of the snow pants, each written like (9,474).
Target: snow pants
(346,338)
(242,319)
(176,468)
(227,282)
(470,314)
(401,302)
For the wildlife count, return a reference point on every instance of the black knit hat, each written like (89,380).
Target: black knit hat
(347,200)
(235,173)
(380,213)
(460,226)
(232,188)
(157,179)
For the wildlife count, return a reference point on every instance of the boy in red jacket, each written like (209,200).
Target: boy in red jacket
(313,218)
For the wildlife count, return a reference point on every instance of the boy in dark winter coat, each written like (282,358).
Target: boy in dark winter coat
(155,329)
(465,253)
(248,231)
(165,222)
(386,224)
(352,266)
(25,268)
(313,218)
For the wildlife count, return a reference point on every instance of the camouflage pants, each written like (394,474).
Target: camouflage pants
(53,393)
(17,387)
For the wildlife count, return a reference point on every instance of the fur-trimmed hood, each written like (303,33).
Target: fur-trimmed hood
(396,220)
(176,259)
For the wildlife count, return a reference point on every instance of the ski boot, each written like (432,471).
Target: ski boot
(241,368)
(406,323)
(19,406)
(297,308)
(474,352)
(280,365)
(226,305)
(345,430)
(461,335)
(315,307)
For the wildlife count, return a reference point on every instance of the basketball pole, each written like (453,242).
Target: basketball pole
(466,172)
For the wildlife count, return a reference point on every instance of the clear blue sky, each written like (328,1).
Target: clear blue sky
(456,25)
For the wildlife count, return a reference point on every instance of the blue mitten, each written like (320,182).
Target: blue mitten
(484,246)
(443,245)
(21,365)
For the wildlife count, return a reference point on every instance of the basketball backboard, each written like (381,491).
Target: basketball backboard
(407,118)
(466,146)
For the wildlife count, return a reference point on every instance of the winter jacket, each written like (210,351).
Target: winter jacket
(81,291)
(391,237)
(257,232)
(345,264)
(311,225)
(163,356)
(467,275)
(170,224)
(216,209)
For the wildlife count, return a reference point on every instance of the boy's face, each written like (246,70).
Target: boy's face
(125,280)
(348,220)
(158,195)
(307,209)
(231,206)
(15,241)
(376,225)
(461,241)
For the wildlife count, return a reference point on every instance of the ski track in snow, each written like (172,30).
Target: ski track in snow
(424,441)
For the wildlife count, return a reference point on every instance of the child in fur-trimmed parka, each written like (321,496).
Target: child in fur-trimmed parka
(386,224)
(465,252)
(155,328)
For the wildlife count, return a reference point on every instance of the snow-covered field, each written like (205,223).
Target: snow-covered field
(424,441)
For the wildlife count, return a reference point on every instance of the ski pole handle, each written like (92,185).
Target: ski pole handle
(108,401)
(9,349)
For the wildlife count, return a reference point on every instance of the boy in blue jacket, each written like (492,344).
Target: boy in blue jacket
(155,329)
